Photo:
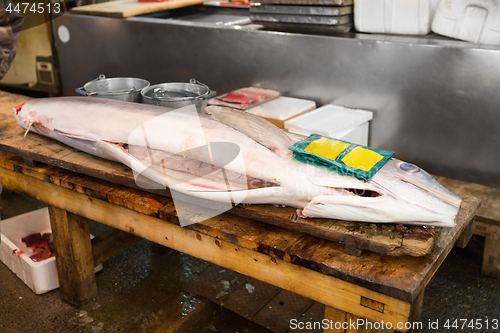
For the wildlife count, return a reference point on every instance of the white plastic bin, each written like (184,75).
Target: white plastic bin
(476,21)
(407,17)
(334,121)
(40,277)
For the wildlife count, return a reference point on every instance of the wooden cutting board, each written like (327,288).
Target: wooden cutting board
(128,8)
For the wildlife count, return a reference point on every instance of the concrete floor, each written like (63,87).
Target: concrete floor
(141,290)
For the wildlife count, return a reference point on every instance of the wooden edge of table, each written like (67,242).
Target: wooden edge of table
(323,288)
(449,236)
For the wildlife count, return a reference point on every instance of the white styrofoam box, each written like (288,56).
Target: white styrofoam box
(334,121)
(407,17)
(40,277)
(476,21)
(281,109)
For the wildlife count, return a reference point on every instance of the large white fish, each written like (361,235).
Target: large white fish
(234,153)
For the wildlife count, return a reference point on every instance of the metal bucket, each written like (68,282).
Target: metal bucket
(178,94)
(120,88)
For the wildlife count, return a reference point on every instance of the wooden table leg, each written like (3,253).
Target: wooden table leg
(343,322)
(491,255)
(465,237)
(75,265)
(416,314)
(334,316)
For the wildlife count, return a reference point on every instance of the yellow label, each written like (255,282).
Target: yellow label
(326,148)
(362,159)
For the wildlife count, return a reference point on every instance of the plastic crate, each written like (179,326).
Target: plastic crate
(333,121)
(407,17)
(40,277)
(476,21)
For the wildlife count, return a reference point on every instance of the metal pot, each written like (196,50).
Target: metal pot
(120,88)
(178,94)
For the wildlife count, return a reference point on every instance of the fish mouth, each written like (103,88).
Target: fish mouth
(18,108)
(365,193)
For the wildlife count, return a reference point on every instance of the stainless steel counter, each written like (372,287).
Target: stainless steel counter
(435,100)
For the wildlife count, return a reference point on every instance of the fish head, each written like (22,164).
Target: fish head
(399,192)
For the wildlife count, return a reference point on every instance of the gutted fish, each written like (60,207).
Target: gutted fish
(233,156)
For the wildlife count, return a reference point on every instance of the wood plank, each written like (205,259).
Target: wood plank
(416,314)
(278,312)
(344,322)
(350,319)
(9,100)
(110,243)
(310,321)
(128,8)
(491,255)
(399,277)
(323,288)
(487,220)
(333,316)
(247,304)
(465,237)
(75,266)
(381,238)
(489,196)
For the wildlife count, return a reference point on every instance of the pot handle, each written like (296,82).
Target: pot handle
(211,93)
(83,92)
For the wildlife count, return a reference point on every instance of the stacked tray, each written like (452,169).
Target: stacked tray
(309,15)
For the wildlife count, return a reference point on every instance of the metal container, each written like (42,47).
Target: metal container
(178,94)
(120,88)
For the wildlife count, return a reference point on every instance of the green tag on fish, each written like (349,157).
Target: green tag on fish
(339,156)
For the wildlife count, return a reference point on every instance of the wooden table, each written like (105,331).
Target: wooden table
(372,286)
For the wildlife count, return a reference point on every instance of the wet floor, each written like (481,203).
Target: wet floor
(142,290)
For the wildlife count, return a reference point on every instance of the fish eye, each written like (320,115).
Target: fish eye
(409,167)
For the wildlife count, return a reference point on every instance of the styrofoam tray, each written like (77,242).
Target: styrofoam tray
(476,21)
(333,121)
(408,17)
(282,108)
(40,277)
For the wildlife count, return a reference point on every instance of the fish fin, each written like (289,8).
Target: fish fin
(73,136)
(190,174)
(27,129)
(256,128)
(194,175)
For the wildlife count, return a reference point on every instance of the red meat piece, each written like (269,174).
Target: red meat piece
(42,253)
(233,97)
(32,240)
(42,246)
(255,96)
